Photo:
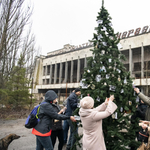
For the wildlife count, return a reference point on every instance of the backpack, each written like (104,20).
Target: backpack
(32,120)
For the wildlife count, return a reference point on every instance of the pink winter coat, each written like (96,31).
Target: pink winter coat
(92,125)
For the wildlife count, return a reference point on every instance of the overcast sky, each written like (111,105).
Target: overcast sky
(60,22)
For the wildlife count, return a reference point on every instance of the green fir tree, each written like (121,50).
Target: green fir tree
(105,76)
(18,86)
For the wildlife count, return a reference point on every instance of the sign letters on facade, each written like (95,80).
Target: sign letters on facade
(123,35)
(133,32)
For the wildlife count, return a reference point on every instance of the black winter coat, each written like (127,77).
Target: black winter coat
(72,103)
(46,115)
(140,112)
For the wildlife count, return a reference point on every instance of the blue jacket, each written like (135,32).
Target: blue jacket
(71,104)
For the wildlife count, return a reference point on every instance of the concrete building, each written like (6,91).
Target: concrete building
(62,70)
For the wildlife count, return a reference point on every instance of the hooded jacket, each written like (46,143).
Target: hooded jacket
(46,115)
(92,125)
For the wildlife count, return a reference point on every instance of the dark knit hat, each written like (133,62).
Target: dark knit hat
(50,95)
(77,89)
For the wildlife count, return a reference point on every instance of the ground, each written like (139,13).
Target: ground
(25,142)
(12,121)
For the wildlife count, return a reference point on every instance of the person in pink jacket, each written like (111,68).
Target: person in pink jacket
(92,121)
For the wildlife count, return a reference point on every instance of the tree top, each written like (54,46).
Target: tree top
(102,2)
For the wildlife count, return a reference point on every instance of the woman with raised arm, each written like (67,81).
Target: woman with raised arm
(91,119)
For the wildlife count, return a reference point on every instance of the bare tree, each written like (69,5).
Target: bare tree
(15,38)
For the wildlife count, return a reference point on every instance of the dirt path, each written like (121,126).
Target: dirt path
(27,141)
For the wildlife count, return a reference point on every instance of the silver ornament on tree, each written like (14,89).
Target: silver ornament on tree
(110,24)
(103,69)
(122,91)
(112,88)
(119,46)
(121,109)
(106,33)
(104,28)
(125,81)
(99,22)
(118,70)
(111,37)
(133,84)
(100,37)
(102,52)
(109,60)
(83,85)
(107,76)
(94,62)
(98,99)
(104,43)
(98,78)
(116,115)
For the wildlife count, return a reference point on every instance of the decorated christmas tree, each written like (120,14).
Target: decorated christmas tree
(106,75)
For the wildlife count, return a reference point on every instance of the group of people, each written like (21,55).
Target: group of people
(50,125)
(51,115)
(143,113)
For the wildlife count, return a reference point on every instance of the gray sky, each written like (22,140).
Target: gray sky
(60,22)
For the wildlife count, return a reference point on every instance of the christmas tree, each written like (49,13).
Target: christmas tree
(106,75)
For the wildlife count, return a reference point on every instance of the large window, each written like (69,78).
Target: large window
(126,66)
(137,66)
(147,65)
(137,75)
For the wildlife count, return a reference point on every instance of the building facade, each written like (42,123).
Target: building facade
(62,70)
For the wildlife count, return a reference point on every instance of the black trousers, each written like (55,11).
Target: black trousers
(60,135)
